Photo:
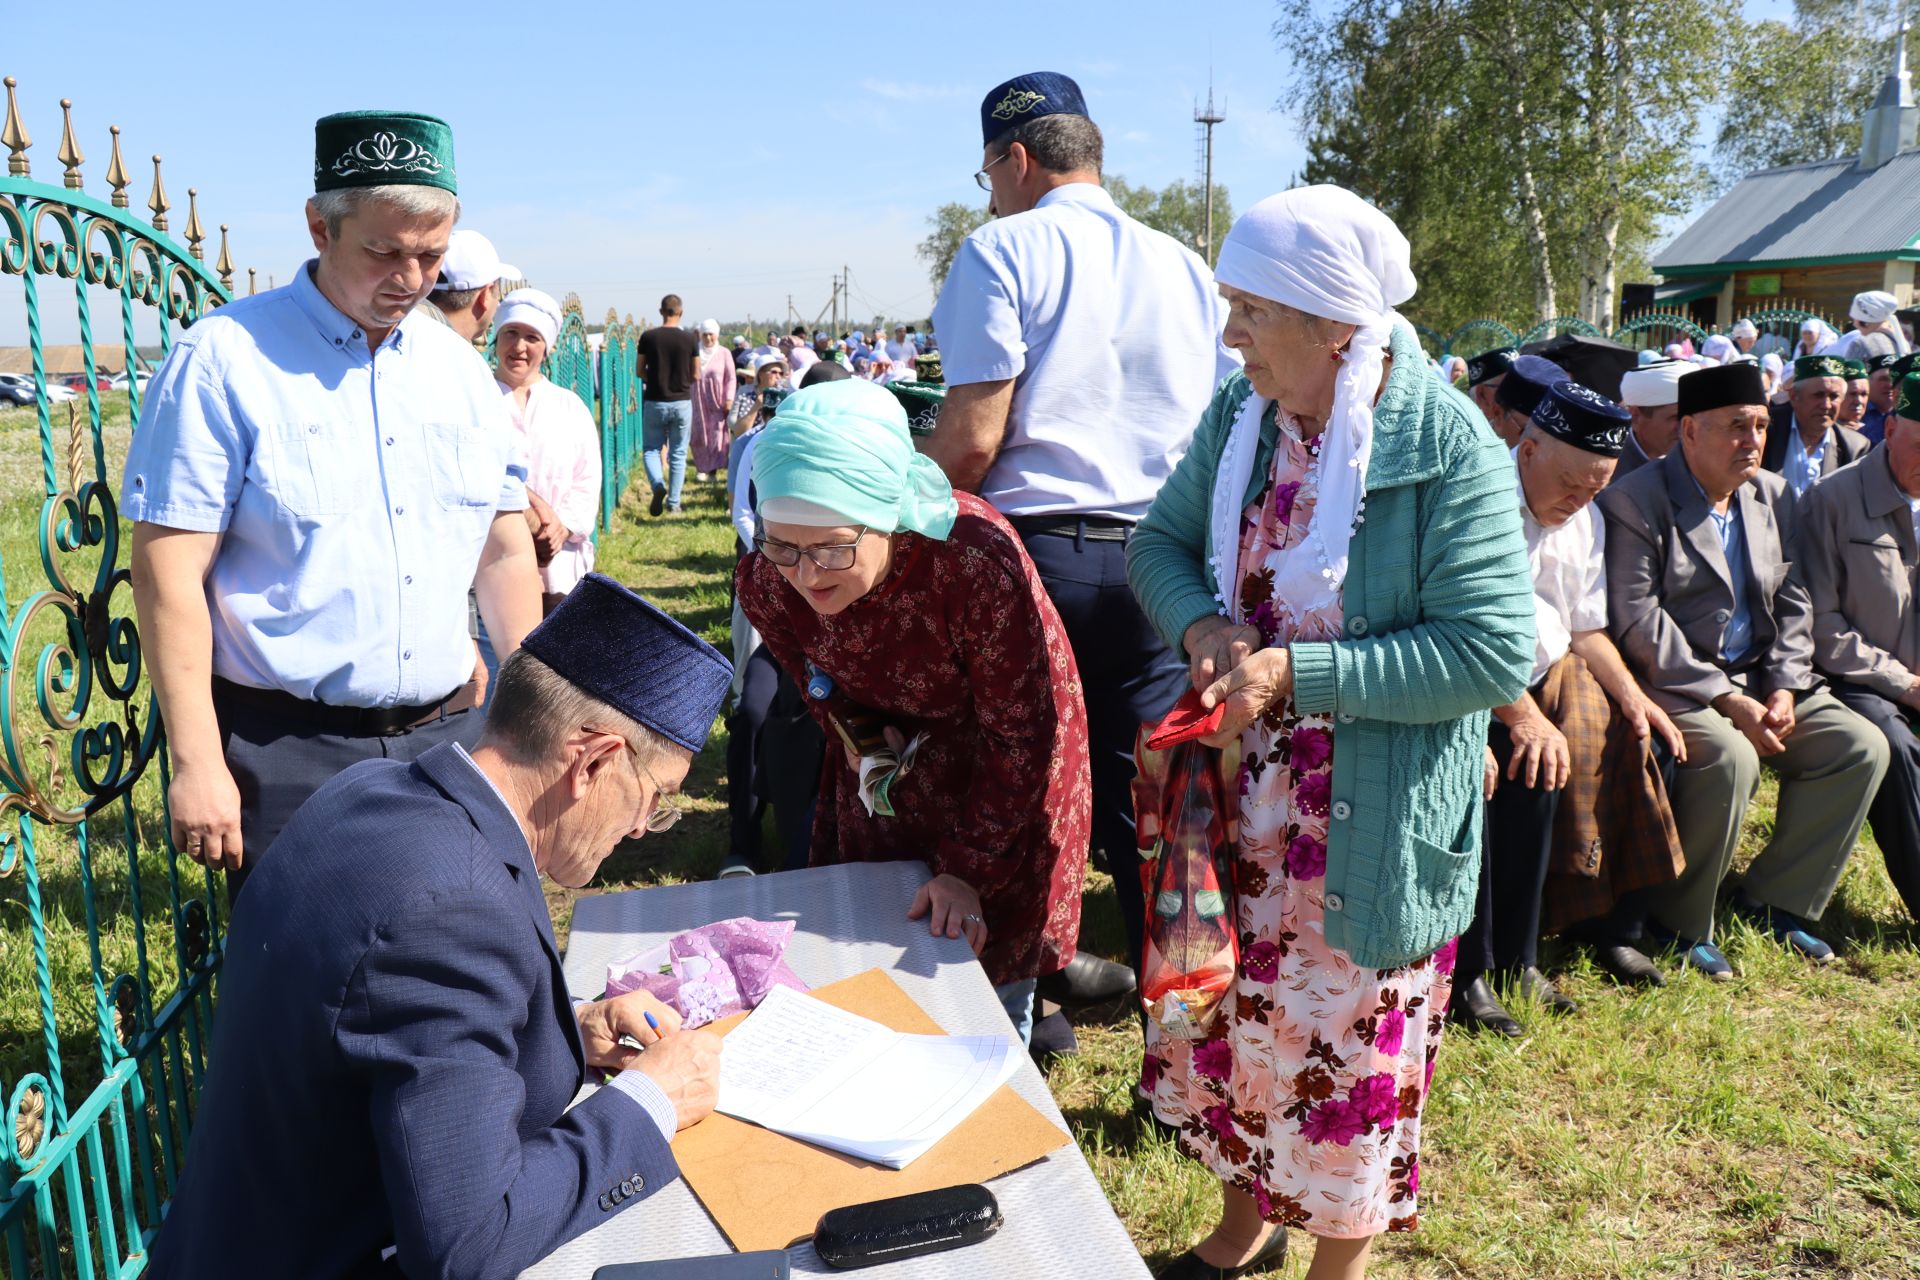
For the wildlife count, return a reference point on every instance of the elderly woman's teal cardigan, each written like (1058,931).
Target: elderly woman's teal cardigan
(1438,627)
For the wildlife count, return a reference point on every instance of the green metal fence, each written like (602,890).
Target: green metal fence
(109,980)
(1778,326)
(618,408)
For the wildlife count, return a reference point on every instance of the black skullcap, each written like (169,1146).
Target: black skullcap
(1489,365)
(1717,386)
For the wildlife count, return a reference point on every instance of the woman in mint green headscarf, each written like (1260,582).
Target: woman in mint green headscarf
(912,615)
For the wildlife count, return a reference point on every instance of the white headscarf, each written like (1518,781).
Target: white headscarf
(1324,251)
(1720,347)
(532,308)
(710,326)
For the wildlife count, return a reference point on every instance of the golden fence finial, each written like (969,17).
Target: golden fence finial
(195,232)
(158,200)
(70,154)
(14,135)
(76,447)
(117,171)
(224,263)
(250,274)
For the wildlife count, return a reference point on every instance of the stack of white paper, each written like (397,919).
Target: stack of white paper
(801,1067)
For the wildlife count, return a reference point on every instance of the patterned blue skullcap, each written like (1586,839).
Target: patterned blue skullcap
(1028,97)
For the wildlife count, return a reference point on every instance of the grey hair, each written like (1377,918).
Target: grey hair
(535,708)
(1059,144)
(410,199)
(452,300)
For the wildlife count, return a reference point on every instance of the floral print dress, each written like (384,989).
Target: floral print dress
(1308,1091)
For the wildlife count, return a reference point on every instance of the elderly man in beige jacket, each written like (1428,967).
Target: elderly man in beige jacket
(1700,602)
(1856,551)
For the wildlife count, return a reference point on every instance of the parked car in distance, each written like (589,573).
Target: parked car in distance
(78,382)
(15,389)
(119,382)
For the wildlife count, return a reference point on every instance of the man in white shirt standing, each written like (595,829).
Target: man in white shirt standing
(1541,742)
(902,353)
(1080,349)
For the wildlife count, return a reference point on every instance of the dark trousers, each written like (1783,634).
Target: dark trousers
(1516,844)
(277,763)
(773,757)
(1130,676)
(1895,813)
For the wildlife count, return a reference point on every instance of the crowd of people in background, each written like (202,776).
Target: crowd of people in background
(1500,645)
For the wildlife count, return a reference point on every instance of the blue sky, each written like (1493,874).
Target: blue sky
(734,155)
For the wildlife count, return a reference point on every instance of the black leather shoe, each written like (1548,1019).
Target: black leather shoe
(659,502)
(1087,979)
(1627,965)
(1538,987)
(1191,1266)
(1476,1008)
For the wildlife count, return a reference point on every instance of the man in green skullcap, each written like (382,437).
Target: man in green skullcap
(1805,439)
(1856,548)
(1853,406)
(316,477)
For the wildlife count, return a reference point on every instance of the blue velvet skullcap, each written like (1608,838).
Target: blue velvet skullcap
(609,643)
(1527,382)
(1028,97)
(1582,418)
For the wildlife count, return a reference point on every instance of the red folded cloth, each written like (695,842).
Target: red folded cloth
(1186,722)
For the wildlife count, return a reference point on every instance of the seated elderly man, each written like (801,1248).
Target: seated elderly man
(1701,604)
(396,1052)
(1650,394)
(1551,745)
(1520,390)
(1804,439)
(1882,386)
(1484,374)
(1855,554)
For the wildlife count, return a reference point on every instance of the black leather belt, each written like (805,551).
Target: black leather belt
(348,722)
(1083,528)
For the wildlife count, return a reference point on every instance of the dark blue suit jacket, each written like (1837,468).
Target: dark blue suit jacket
(394,1052)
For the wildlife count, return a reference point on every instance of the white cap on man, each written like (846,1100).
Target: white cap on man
(472,262)
(1653,385)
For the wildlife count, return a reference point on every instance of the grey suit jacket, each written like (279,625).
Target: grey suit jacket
(1670,593)
(1854,553)
(1632,458)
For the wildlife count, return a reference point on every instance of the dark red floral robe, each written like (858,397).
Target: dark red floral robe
(959,641)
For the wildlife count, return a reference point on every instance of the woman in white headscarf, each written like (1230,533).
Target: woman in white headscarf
(562,443)
(713,388)
(1339,557)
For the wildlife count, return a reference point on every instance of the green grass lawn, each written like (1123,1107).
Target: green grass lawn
(1766,1128)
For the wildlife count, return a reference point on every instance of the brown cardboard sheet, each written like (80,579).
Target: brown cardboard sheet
(766,1190)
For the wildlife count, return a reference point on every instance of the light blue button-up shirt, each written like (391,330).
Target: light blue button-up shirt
(1110,332)
(1802,468)
(1738,636)
(353,492)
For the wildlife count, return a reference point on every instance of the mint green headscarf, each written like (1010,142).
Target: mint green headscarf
(844,446)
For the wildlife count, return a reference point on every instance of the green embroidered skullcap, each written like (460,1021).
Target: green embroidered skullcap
(1856,370)
(922,401)
(382,148)
(1909,406)
(928,369)
(1819,367)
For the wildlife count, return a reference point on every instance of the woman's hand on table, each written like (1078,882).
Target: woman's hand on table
(603,1023)
(1262,680)
(952,909)
(1216,646)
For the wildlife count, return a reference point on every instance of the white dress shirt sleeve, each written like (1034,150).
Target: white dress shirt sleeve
(978,320)
(745,522)
(1588,611)
(190,453)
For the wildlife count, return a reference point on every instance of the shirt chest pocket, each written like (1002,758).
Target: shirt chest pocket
(309,468)
(465,465)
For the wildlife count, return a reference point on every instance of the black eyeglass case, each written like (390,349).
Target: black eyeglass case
(866,1235)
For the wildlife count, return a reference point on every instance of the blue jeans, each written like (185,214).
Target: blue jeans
(666,424)
(1017,999)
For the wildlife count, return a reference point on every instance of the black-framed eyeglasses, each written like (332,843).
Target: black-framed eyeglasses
(980,178)
(834,557)
(666,808)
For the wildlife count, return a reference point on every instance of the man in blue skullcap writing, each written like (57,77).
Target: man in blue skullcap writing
(396,1050)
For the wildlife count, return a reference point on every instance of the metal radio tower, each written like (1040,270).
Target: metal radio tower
(1207,118)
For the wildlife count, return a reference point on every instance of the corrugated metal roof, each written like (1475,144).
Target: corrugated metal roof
(1827,209)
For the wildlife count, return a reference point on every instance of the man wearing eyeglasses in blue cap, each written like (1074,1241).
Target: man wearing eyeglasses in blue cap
(1080,348)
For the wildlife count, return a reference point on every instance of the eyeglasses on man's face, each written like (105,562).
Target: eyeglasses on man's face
(834,557)
(980,178)
(666,809)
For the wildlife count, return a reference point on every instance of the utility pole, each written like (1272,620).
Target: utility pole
(1206,119)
